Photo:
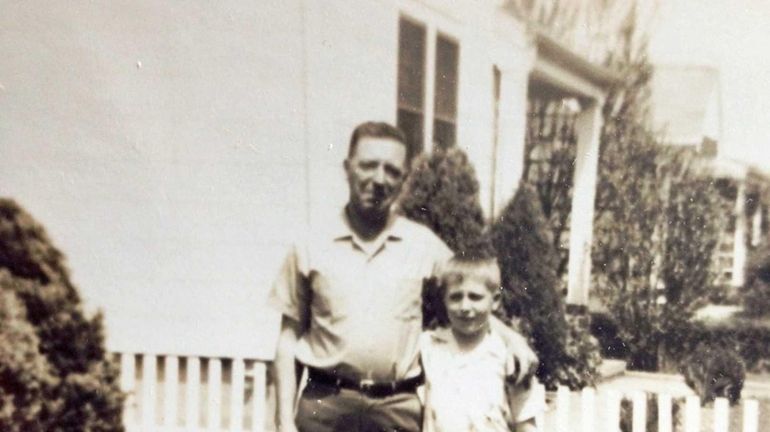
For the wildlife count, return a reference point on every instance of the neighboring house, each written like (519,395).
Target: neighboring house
(744,191)
(686,108)
(173,149)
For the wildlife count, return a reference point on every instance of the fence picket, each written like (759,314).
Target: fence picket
(144,416)
(588,408)
(664,413)
(639,412)
(692,414)
(562,409)
(613,411)
(721,414)
(214,405)
(170,390)
(750,416)
(539,391)
(149,390)
(128,386)
(192,392)
(237,377)
(258,398)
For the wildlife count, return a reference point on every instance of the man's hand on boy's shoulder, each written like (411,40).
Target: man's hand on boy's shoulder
(517,346)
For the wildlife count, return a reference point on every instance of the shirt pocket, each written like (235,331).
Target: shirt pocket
(330,299)
(408,301)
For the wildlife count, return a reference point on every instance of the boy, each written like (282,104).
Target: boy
(469,368)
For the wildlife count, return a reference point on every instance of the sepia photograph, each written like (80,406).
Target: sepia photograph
(385,216)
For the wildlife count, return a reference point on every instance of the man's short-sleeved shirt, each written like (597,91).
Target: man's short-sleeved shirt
(467,391)
(360,305)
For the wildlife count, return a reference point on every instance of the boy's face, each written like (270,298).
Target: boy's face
(469,304)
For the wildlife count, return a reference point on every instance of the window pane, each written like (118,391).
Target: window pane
(443,134)
(411,65)
(447,56)
(411,124)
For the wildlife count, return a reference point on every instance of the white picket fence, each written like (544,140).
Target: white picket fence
(169,393)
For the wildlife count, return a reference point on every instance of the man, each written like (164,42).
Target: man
(350,295)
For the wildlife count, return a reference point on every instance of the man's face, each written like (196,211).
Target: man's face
(375,172)
(469,305)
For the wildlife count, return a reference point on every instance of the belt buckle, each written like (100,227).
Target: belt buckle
(366,385)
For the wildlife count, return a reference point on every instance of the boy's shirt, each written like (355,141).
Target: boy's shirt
(466,391)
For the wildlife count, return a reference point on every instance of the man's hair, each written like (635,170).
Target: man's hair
(376,130)
(460,268)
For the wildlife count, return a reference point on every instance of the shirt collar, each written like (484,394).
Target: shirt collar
(492,343)
(396,230)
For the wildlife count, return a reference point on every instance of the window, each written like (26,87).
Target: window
(411,82)
(445,102)
(413,79)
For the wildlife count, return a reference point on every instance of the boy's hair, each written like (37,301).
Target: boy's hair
(454,271)
(460,268)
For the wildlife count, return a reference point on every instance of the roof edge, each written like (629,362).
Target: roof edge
(552,50)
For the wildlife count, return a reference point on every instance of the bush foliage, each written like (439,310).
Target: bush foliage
(442,193)
(714,371)
(531,292)
(656,220)
(25,376)
(68,363)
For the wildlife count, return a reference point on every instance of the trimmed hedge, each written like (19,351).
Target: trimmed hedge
(749,340)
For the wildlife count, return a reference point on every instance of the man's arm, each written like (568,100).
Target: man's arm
(285,374)
(518,346)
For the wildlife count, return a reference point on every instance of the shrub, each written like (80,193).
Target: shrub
(606,332)
(756,289)
(84,394)
(715,371)
(581,365)
(527,260)
(25,377)
(442,193)
(750,341)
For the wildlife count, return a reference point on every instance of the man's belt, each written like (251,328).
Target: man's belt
(371,388)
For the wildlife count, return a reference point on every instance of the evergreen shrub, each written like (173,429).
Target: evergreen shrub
(568,355)
(715,371)
(442,193)
(25,376)
(81,383)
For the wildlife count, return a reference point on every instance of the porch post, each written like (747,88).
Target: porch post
(739,242)
(588,126)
